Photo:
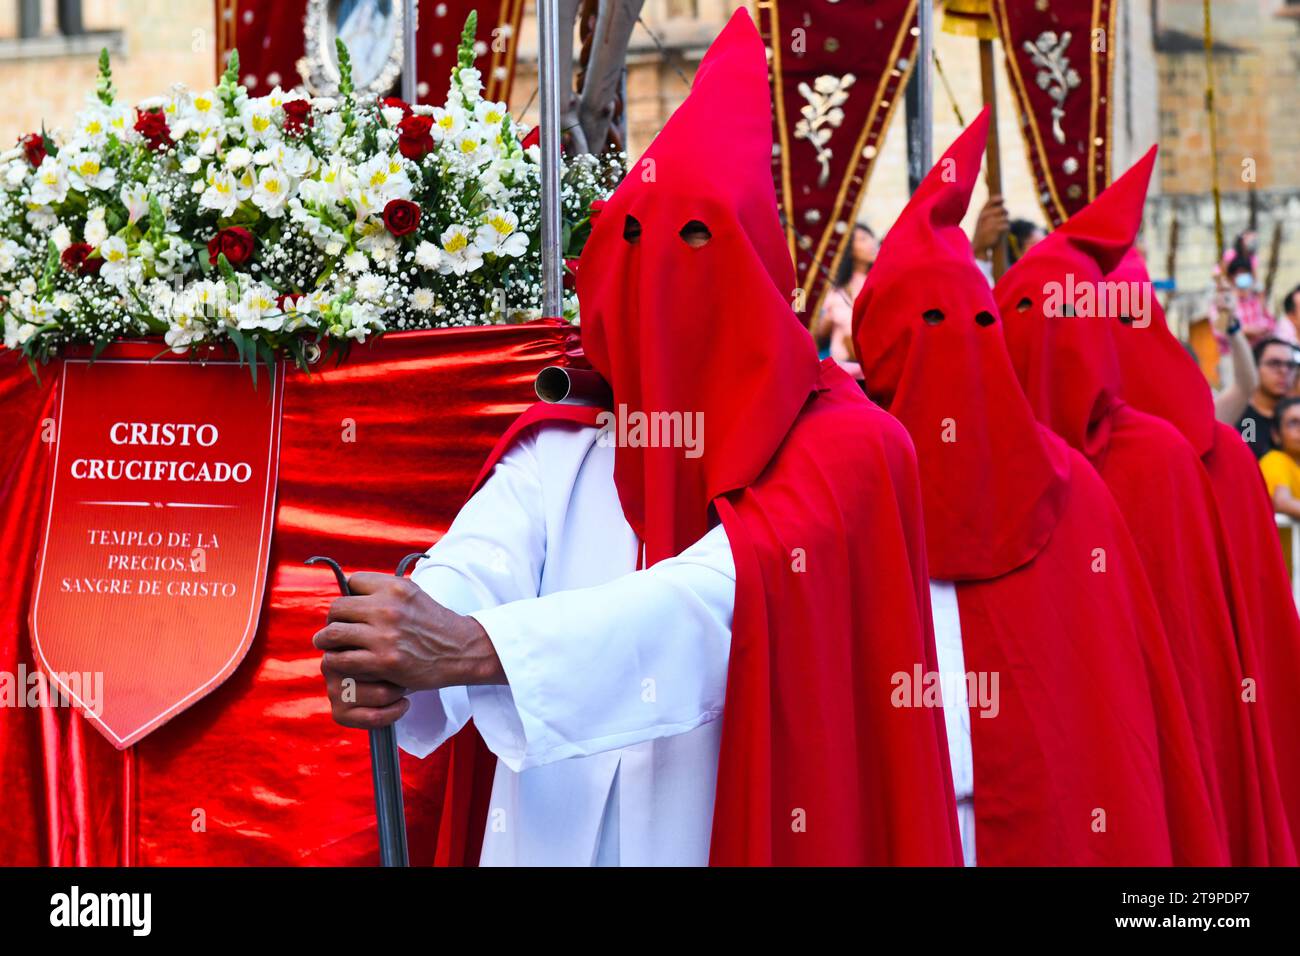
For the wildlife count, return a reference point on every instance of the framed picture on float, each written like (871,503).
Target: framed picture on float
(372,32)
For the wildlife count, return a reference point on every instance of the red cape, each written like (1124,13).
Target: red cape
(816,488)
(817,767)
(1089,759)
(1066,361)
(1269,644)
(1161,378)
(1092,726)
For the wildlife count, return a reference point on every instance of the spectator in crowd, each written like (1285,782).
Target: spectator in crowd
(1231,402)
(1276,363)
(991,227)
(1291,311)
(1248,303)
(1024,236)
(1281,466)
(834,328)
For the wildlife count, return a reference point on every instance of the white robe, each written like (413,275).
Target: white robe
(956,710)
(607,735)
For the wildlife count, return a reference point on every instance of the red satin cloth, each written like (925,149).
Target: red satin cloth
(258,773)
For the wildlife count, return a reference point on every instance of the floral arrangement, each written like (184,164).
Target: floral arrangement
(277,224)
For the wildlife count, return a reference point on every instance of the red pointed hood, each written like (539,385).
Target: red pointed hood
(925,327)
(703,331)
(1056,306)
(1157,374)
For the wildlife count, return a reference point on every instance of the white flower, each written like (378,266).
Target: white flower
(446,124)
(93,126)
(184,331)
(489,113)
(115,270)
(422,300)
(50,184)
(427,255)
(61,237)
(136,200)
(222,193)
(499,234)
(96,230)
(392,114)
(356,262)
(238,158)
(470,150)
(9,252)
(258,121)
(204,112)
(370,287)
(86,171)
(272,192)
(191,165)
(257,309)
(471,81)
(459,253)
(386,177)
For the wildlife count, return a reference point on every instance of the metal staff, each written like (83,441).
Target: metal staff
(548,79)
(385,770)
(410,26)
(919,101)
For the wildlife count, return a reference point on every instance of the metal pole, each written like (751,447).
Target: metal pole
(548,77)
(919,101)
(410,29)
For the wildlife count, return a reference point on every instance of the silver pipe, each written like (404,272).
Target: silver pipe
(557,385)
(548,76)
(410,29)
(920,99)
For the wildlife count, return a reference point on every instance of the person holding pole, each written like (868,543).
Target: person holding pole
(669,655)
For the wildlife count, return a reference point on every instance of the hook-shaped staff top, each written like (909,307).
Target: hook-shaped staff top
(338,572)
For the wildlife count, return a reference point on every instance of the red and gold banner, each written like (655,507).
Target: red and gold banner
(271,38)
(376,458)
(157,529)
(838,72)
(1059,57)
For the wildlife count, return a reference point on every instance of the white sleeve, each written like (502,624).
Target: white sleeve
(492,554)
(594,669)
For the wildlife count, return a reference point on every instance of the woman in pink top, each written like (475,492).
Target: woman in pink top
(835,320)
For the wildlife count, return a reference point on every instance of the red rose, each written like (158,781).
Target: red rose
(571,274)
(297,116)
(413,137)
(595,209)
(236,242)
(401,216)
(76,259)
(33,145)
(152,126)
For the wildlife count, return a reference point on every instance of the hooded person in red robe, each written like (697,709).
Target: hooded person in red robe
(1159,377)
(1056,310)
(1081,751)
(685,291)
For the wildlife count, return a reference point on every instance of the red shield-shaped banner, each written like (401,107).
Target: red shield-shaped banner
(156,539)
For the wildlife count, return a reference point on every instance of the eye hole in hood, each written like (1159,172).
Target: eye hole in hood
(695,234)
